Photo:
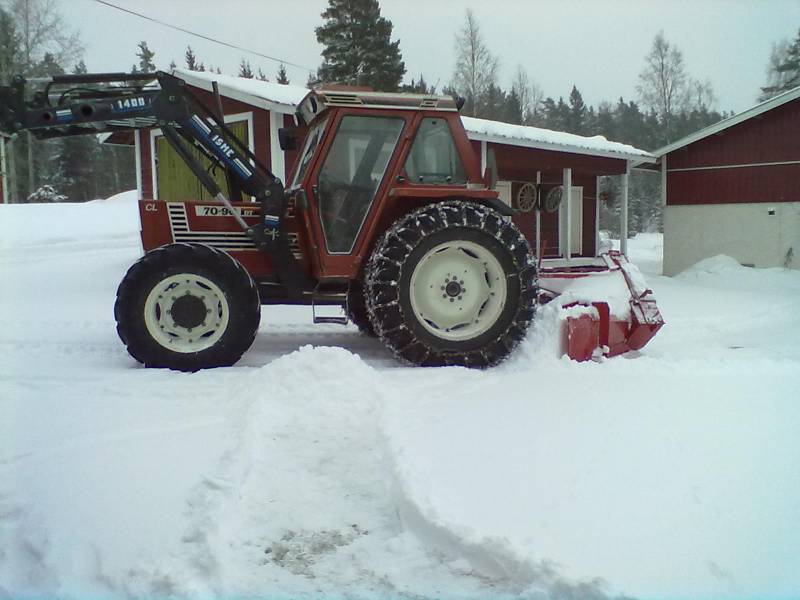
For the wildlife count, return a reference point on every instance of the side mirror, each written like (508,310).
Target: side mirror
(287,138)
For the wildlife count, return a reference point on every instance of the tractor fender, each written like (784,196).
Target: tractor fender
(500,206)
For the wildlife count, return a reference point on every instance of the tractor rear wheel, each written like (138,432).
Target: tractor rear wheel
(187,307)
(452,283)
(357,308)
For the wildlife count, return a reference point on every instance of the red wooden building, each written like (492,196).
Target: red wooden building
(256,110)
(734,188)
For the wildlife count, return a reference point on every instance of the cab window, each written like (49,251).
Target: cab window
(351,174)
(433,158)
(312,141)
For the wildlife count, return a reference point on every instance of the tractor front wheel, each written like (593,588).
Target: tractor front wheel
(187,307)
(452,283)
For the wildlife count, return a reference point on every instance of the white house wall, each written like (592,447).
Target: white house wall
(757,234)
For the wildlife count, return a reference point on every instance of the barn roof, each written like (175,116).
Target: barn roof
(263,94)
(758,109)
(547,139)
(285,98)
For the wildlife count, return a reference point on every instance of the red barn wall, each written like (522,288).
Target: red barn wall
(772,137)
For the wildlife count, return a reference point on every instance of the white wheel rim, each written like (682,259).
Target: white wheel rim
(186,331)
(458,290)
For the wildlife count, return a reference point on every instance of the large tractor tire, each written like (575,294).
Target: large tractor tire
(452,283)
(357,309)
(187,307)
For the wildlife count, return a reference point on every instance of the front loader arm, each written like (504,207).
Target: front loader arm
(131,101)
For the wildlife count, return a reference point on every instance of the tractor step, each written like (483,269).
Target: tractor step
(336,320)
(330,297)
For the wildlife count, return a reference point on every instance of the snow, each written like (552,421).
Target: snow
(247,90)
(319,466)
(506,133)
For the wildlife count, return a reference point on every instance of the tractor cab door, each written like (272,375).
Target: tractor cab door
(346,180)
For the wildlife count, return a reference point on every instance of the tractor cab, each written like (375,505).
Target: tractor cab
(368,158)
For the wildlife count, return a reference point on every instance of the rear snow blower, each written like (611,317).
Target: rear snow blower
(607,307)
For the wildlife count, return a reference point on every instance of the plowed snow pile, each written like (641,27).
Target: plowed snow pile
(318,466)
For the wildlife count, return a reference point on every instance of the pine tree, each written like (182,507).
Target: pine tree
(576,118)
(282,77)
(191,59)
(145,55)
(78,162)
(491,104)
(419,87)
(783,73)
(555,114)
(357,46)
(172,65)
(512,109)
(260,75)
(604,123)
(245,69)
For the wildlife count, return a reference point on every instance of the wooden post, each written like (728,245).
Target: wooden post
(277,159)
(623,226)
(538,217)
(566,205)
(597,215)
(137,148)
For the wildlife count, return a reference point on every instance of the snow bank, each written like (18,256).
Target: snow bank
(32,224)
(649,480)
(715,264)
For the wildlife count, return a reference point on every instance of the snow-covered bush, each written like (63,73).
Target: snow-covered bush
(46,194)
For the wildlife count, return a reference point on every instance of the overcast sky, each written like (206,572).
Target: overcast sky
(597,45)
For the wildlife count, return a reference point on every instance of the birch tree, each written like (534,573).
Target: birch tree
(530,96)
(476,67)
(663,83)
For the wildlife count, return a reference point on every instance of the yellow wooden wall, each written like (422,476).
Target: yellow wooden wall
(175,180)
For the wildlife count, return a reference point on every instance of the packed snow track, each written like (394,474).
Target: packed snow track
(318,466)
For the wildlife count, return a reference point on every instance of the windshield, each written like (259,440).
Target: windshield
(312,141)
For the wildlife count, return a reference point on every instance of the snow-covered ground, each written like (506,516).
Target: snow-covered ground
(319,467)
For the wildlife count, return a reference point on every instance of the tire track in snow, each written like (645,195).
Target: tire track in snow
(304,501)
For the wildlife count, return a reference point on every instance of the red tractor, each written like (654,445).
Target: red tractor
(386,214)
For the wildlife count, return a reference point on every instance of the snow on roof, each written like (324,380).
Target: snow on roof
(264,94)
(546,139)
(756,110)
(285,98)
